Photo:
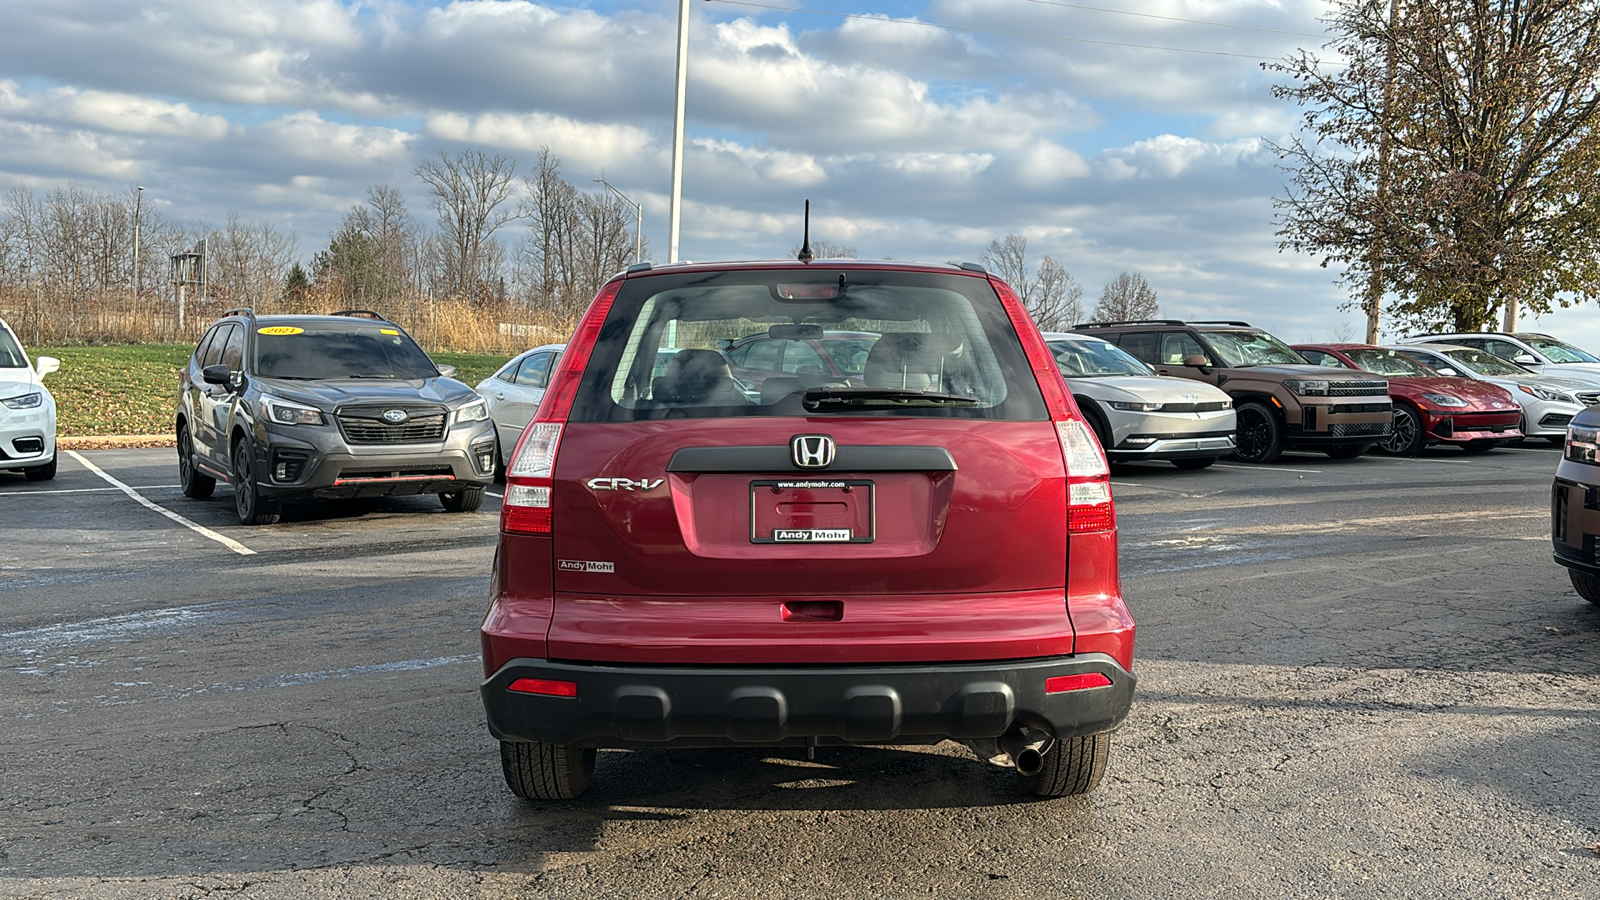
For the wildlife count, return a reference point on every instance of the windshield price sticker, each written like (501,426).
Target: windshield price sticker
(280,329)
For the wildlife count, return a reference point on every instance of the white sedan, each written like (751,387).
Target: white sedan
(513,394)
(1139,415)
(27,411)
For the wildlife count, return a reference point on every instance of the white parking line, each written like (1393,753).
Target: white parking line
(228,542)
(1269,468)
(496,496)
(142,487)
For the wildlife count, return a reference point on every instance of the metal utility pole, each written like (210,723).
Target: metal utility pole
(1374,301)
(138,198)
(677,131)
(638,220)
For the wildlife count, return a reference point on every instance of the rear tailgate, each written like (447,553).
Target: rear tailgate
(676,543)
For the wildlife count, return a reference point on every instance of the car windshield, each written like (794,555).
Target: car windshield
(1387,362)
(312,350)
(11,356)
(1559,351)
(1094,359)
(1251,348)
(1483,363)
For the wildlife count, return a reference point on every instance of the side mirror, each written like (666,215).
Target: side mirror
(1194,359)
(44,365)
(217,374)
(447,371)
(1447,371)
(1524,359)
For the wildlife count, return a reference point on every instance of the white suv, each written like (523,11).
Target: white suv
(27,411)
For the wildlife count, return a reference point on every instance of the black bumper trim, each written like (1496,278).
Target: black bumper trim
(659,706)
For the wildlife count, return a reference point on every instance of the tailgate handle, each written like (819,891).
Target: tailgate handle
(813,611)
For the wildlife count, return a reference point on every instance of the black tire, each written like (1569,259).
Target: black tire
(1346,451)
(1191,465)
(1587,586)
(1073,766)
(252,508)
(1405,436)
(1260,437)
(1479,446)
(1097,424)
(1556,440)
(536,770)
(196,484)
(41,473)
(465,500)
(499,461)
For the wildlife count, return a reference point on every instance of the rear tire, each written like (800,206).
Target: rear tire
(464,500)
(196,485)
(1073,766)
(537,770)
(1587,586)
(1260,437)
(1193,464)
(41,473)
(252,508)
(1099,425)
(1405,436)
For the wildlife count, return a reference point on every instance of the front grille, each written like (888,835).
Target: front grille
(1358,408)
(1357,388)
(1475,422)
(411,473)
(1588,398)
(1211,406)
(366,426)
(1361,429)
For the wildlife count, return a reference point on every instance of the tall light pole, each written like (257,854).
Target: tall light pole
(677,130)
(638,220)
(138,198)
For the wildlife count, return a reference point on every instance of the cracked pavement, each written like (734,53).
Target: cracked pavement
(1359,678)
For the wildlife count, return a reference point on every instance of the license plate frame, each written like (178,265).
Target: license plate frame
(810,511)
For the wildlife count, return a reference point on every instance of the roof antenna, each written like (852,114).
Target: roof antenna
(805,254)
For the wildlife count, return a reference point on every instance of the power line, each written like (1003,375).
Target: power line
(1025,34)
(1126,12)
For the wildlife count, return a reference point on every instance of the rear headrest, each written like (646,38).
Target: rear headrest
(912,360)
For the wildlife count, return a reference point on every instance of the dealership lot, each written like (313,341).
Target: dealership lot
(1359,678)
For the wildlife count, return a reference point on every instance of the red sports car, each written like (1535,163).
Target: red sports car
(1428,407)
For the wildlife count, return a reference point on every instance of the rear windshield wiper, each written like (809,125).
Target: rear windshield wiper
(883,397)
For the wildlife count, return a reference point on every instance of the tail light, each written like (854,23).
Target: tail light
(530,479)
(1089,505)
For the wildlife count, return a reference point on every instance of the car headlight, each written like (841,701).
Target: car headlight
(1445,400)
(476,411)
(1307,388)
(1547,394)
(1582,443)
(1133,407)
(25,401)
(282,412)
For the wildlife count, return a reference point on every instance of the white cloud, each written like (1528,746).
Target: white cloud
(596,144)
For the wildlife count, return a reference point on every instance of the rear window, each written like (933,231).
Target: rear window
(696,345)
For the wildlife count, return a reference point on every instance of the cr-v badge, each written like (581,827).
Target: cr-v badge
(624,484)
(811,451)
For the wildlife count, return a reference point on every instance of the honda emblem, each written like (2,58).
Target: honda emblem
(811,451)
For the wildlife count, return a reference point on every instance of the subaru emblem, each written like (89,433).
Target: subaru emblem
(811,451)
(395,416)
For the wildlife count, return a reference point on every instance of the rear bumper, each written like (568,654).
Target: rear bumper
(658,706)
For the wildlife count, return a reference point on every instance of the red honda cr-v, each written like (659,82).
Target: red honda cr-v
(929,555)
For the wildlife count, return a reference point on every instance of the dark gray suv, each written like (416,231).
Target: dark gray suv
(325,407)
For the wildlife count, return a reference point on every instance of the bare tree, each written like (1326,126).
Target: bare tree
(826,250)
(469,191)
(1051,295)
(576,240)
(1126,298)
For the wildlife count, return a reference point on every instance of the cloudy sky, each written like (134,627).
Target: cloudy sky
(1114,134)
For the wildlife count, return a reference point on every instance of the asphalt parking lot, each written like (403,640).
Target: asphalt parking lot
(1358,679)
